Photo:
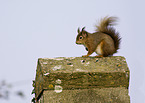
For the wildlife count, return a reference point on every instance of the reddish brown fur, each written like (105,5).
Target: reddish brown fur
(104,42)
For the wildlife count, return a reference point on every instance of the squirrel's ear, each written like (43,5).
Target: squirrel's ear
(83,28)
(85,34)
(78,30)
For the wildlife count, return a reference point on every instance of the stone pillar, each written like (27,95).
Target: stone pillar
(82,80)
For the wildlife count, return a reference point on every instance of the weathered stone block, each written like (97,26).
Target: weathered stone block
(97,95)
(83,78)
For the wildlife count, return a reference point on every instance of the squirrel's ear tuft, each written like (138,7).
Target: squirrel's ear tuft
(83,28)
(78,30)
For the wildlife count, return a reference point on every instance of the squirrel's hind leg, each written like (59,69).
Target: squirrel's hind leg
(108,49)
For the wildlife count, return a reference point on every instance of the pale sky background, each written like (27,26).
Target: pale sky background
(32,29)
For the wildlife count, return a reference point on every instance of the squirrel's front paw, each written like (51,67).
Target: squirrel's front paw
(85,56)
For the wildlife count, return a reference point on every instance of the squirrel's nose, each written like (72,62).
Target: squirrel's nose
(77,42)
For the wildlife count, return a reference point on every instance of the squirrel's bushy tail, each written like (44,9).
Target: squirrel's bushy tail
(105,26)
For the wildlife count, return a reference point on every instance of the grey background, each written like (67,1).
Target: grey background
(32,29)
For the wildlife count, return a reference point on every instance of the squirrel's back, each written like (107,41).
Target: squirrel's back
(105,26)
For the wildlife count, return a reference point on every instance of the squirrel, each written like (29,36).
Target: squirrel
(105,41)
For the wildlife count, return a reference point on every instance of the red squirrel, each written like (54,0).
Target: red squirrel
(105,41)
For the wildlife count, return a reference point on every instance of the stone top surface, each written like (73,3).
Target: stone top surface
(81,64)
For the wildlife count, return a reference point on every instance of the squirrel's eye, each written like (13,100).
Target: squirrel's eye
(81,37)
